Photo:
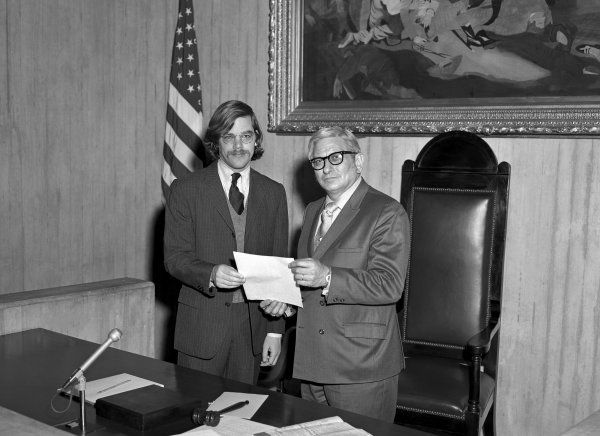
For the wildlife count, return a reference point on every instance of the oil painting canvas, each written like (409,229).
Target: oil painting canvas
(435,49)
(526,66)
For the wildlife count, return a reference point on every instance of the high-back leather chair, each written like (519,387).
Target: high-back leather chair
(456,196)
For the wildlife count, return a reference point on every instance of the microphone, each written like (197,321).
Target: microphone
(114,335)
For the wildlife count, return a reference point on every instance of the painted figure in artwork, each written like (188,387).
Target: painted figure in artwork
(411,49)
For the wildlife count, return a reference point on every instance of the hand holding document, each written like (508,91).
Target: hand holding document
(268,278)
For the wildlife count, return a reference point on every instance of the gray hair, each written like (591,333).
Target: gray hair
(333,132)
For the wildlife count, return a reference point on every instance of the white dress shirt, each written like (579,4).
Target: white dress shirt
(340,203)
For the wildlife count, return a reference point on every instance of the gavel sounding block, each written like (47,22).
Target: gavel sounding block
(147,408)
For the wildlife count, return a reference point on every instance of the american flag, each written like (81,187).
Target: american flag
(183,150)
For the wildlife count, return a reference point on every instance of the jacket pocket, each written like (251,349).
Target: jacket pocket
(365,330)
(350,250)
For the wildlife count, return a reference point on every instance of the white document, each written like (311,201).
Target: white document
(268,278)
(227,399)
(112,385)
(326,426)
(202,431)
(231,426)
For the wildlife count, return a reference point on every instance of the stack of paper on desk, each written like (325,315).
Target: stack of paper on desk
(112,385)
(233,426)
(325,426)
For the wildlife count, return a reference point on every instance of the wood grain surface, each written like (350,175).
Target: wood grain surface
(87,311)
(82,109)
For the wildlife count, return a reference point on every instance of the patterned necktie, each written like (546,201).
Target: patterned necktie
(326,221)
(236,198)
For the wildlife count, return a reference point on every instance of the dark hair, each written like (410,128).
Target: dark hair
(222,122)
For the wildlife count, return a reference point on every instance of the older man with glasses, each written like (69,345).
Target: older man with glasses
(351,266)
(211,213)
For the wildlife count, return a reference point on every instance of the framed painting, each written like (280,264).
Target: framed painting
(494,67)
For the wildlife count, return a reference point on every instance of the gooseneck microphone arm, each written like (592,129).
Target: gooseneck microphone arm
(114,335)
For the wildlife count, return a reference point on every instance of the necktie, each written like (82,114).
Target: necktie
(236,198)
(326,221)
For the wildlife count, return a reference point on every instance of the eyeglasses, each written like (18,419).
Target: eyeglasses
(246,137)
(318,163)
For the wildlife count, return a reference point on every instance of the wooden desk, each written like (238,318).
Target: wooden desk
(36,362)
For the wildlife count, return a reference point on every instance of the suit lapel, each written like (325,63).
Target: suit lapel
(345,217)
(256,197)
(214,189)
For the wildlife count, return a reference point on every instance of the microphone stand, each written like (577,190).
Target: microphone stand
(79,426)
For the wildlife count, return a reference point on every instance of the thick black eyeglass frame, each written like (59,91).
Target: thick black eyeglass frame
(322,159)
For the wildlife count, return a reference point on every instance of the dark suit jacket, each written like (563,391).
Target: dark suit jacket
(199,234)
(353,336)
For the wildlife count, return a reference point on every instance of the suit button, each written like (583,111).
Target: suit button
(322,303)
(227,304)
(335,299)
(341,300)
(321,332)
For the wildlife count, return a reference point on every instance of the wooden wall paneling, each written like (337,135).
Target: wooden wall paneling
(243,56)
(11,257)
(34,131)
(64,115)
(87,311)
(209,47)
(149,137)
(150,132)
(550,298)
(82,109)
(377,162)
(128,55)
(75,150)
(517,335)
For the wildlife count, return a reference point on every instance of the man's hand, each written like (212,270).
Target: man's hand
(364,36)
(271,350)
(337,88)
(226,277)
(349,38)
(309,273)
(273,307)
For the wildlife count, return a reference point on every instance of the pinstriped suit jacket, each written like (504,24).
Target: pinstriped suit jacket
(354,336)
(199,234)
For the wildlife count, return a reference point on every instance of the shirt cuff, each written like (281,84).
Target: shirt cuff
(290,311)
(325,290)
(274,335)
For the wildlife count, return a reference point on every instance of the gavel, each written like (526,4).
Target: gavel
(211,418)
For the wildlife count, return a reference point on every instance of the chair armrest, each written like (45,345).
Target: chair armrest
(480,343)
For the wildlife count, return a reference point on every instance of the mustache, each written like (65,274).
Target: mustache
(237,152)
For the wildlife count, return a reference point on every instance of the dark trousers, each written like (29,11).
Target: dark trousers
(235,359)
(375,399)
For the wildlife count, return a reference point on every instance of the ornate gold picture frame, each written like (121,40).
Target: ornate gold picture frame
(558,112)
